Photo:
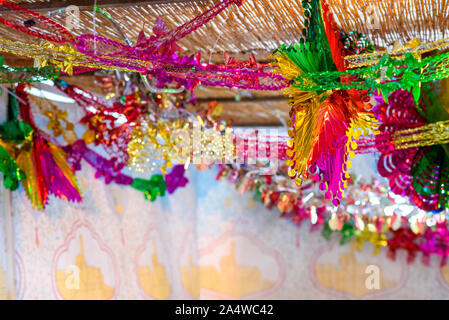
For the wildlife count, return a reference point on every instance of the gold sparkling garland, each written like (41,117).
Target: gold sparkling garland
(161,144)
(414,46)
(152,141)
(64,57)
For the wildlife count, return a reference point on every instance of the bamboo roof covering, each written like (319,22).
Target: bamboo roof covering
(258,27)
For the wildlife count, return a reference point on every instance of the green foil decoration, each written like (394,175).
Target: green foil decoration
(26,74)
(151,188)
(12,174)
(313,54)
(347,232)
(12,132)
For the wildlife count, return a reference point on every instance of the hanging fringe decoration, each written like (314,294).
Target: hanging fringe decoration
(324,124)
(44,166)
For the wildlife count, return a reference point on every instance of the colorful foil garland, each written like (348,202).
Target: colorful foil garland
(419,233)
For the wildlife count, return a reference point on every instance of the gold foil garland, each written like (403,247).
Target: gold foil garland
(64,57)
(161,144)
(413,46)
(428,135)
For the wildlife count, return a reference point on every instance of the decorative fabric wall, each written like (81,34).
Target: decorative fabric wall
(206,241)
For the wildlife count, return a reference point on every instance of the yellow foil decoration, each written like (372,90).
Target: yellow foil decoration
(64,57)
(428,135)
(379,240)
